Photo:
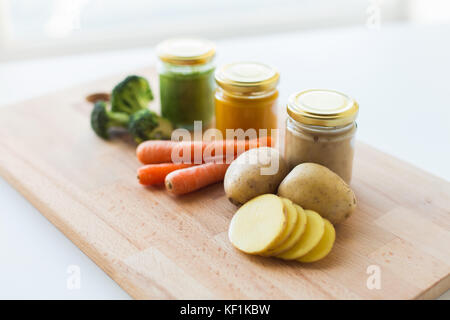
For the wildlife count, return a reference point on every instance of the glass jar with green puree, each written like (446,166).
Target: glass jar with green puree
(186,81)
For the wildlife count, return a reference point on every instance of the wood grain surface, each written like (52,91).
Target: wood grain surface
(158,246)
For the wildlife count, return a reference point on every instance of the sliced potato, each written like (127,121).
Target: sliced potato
(315,228)
(292,216)
(258,224)
(299,228)
(323,247)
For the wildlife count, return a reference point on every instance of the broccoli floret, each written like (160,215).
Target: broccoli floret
(131,95)
(147,125)
(103,119)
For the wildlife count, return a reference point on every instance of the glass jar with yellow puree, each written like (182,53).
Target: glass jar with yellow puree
(246,97)
(321,128)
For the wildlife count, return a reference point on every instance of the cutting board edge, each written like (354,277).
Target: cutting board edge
(91,253)
(435,291)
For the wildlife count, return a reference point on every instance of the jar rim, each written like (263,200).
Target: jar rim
(247,78)
(322,107)
(186,51)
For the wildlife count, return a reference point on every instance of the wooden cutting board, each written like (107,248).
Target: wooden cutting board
(158,246)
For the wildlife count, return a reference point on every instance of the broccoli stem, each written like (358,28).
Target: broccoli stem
(118,119)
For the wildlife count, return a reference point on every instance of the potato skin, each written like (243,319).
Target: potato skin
(243,180)
(317,188)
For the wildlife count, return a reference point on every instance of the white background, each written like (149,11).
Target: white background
(398,74)
(31,28)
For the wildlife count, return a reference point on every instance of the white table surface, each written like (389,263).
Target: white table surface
(399,75)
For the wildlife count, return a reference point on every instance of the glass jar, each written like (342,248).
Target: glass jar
(321,128)
(246,97)
(186,81)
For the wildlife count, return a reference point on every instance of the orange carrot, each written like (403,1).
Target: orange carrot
(160,151)
(230,149)
(151,174)
(190,179)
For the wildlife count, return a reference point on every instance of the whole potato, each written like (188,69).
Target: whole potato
(317,188)
(255,172)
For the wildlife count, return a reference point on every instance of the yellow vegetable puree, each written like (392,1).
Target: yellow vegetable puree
(246,97)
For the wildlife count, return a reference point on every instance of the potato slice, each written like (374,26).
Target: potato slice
(292,216)
(315,228)
(258,224)
(323,247)
(299,228)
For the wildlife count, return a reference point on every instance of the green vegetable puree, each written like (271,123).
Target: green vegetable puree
(187,95)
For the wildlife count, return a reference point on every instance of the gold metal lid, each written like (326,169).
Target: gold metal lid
(247,78)
(319,107)
(186,51)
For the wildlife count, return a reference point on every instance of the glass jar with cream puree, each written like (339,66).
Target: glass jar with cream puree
(246,97)
(321,128)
